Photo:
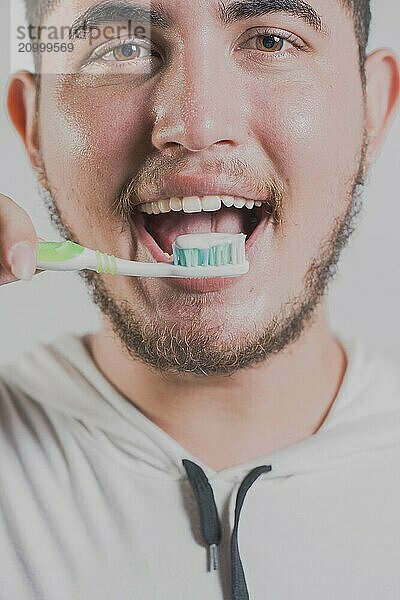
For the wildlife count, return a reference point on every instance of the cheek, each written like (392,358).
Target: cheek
(317,129)
(94,140)
(313,136)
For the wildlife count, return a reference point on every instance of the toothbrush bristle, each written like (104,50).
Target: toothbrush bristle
(209,250)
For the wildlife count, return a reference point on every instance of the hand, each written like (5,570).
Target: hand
(17,243)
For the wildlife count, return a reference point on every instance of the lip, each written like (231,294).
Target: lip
(198,285)
(191,184)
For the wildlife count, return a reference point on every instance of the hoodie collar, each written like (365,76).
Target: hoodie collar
(364,416)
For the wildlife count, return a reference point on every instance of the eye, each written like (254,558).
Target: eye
(269,43)
(126,52)
(137,55)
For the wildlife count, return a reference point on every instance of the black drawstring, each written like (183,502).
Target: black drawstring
(204,495)
(239,585)
(210,524)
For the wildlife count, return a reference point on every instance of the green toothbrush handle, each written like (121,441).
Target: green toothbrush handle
(59,255)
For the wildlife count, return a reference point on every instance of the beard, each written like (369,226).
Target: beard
(200,350)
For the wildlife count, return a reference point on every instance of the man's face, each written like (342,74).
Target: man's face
(266,108)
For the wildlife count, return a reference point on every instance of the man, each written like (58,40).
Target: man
(128,455)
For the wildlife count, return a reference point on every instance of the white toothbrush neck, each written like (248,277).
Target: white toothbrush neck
(138,269)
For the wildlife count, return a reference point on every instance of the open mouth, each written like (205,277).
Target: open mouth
(160,222)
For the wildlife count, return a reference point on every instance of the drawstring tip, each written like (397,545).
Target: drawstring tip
(214,560)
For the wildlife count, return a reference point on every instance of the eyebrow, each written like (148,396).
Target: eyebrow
(248,9)
(121,11)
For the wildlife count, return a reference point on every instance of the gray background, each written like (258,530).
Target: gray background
(365,298)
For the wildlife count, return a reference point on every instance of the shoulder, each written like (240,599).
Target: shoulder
(31,387)
(370,389)
(371,370)
(44,371)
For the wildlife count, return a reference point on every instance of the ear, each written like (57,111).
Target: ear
(22,109)
(382,95)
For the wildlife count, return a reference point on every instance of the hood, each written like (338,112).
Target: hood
(365,416)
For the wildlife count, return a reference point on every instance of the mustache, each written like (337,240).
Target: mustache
(151,176)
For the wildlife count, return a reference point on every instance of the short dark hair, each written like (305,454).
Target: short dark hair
(361,12)
(37,10)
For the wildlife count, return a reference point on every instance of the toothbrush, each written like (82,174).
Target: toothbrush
(195,256)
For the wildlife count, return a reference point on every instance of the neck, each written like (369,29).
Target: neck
(225,421)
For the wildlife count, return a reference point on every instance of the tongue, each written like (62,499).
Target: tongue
(165,228)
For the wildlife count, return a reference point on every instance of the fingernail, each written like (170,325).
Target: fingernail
(22,259)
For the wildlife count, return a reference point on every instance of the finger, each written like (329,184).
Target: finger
(17,241)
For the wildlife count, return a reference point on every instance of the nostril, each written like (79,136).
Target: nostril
(186,147)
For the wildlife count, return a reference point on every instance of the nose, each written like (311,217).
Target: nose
(199,103)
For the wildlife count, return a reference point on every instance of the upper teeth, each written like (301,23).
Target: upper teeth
(196,204)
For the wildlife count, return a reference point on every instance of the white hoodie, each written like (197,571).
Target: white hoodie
(96,504)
